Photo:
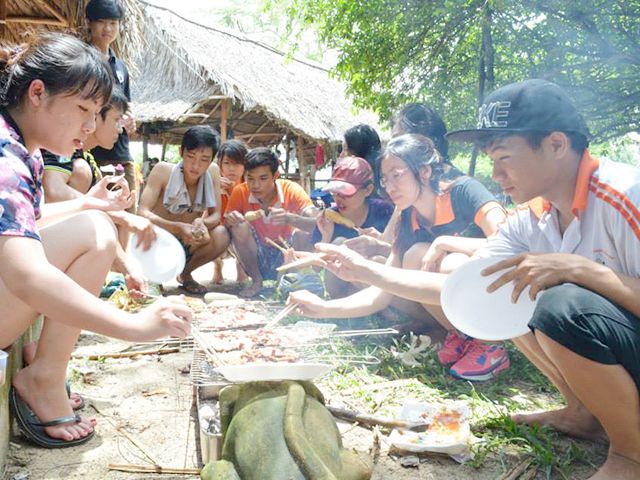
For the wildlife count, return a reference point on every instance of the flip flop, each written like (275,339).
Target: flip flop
(33,429)
(67,387)
(193,287)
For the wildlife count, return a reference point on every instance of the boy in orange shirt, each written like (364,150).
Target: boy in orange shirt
(286,206)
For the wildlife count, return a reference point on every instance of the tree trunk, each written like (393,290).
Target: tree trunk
(486,78)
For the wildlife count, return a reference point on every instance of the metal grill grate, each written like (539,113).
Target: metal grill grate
(202,372)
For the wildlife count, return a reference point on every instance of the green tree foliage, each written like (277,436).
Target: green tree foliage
(394,51)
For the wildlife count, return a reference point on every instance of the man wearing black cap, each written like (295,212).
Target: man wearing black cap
(577,246)
(104,18)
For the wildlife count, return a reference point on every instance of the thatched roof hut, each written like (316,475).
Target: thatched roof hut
(184,73)
(21,18)
(190,73)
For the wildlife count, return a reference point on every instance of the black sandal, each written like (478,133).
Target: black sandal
(33,429)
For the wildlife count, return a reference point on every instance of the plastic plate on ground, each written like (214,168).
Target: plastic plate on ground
(163,261)
(480,314)
(252,372)
(448,430)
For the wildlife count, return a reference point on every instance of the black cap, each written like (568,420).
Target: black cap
(529,106)
(104,9)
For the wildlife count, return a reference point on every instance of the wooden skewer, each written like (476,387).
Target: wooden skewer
(282,314)
(301,262)
(372,331)
(274,244)
(284,242)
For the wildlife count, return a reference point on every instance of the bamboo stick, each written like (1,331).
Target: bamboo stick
(126,467)
(124,433)
(274,244)
(372,420)
(516,471)
(281,315)
(156,351)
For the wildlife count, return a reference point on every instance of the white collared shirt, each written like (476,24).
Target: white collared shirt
(607,230)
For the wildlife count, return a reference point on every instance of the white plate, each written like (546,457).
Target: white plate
(163,261)
(480,314)
(252,372)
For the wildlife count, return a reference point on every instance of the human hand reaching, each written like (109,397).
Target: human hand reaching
(167,317)
(309,305)
(109,194)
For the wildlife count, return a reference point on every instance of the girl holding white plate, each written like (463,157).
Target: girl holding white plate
(55,257)
(441,225)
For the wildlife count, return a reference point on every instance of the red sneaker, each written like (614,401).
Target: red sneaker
(453,348)
(481,361)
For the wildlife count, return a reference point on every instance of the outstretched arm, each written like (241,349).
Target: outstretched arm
(28,275)
(362,303)
(415,285)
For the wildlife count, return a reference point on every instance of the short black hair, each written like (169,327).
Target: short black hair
(235,150)
(118,100)
(104,9)
(534,138)
(262,156)
(201,136)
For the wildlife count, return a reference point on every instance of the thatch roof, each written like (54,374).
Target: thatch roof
(187,69)
(21,18)
(184,73)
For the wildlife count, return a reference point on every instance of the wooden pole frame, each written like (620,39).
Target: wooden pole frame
(3,16)
(224,118)
(35,21)
(49,8)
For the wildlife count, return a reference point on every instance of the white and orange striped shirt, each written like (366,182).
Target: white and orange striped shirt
(606,226)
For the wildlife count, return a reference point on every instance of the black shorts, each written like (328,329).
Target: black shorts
(591,326)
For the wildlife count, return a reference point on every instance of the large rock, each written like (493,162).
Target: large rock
(281,430)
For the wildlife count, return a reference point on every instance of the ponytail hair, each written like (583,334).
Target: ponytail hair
(417,152)
(65,64)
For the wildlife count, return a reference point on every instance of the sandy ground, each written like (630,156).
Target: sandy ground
(145,414)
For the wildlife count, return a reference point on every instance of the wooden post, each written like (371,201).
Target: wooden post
(145,147)
(224,117)
(3,18)
(302,165)
(164,149)
(287,160)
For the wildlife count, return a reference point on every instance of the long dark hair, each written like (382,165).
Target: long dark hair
(65,64)
(417,151)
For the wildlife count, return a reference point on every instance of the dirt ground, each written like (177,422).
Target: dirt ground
(145,413)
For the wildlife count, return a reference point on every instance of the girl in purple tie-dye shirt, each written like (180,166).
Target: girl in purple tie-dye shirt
(55,257)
